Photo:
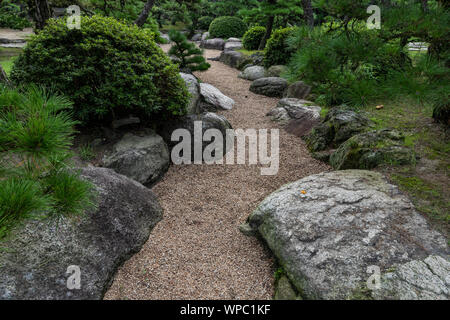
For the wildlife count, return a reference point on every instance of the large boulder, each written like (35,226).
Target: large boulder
(252,73)
(215,44)
(298,90)
(370,149)
(338,125)
(271,86)
(35,258)
(194,89)
(142,158)
(212,99)
(328,228)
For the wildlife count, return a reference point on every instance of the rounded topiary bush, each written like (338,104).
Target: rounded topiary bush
(107,68)
(204,22)
(252,38)
(277,52)
(227,27)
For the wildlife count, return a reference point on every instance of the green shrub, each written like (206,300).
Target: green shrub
(227,27)
(36,132)
(277,51)
(252,38)
(12,17)
(187,55)
(205,22)
(107,68)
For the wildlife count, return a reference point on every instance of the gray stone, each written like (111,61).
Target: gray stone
(209,120)
(212,99)
(205,36)
(343,222)
(144,159)
(298,90)
(197,37)
(427,279)
(338,126)
(252,73)
(194,90)
(271,86)
(369,149)
(275,71)
(35,257)
(233,45)
(304,115)
(231,58)
(279,114)
(216,44)
(233,40)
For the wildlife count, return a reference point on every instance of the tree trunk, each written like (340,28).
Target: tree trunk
(145,13)
(41,13)
(424,5)
(308,13)
(269,27)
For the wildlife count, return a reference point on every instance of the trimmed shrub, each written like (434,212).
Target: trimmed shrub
(227,27)
(277,52)
(107,68)
(252,38)
(204,22)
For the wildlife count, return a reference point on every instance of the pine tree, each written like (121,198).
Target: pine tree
(188,56)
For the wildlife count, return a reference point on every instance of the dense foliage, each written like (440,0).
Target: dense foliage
(277,52)
(108,69)
(227,27)
(188,57)
(35,180)
(12,17)
(252,38)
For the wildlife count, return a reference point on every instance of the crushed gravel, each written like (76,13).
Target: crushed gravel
(197,251)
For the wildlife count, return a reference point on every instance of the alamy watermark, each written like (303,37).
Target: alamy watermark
(193,150)
(374,21)
(74,18)
(74,280)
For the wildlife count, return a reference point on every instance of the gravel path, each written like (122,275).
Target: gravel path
(197,251)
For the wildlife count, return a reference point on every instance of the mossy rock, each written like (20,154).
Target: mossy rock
(370,149)
(339,125)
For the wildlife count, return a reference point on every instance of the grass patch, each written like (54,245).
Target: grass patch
(426,183)
(7,57)
(250,52)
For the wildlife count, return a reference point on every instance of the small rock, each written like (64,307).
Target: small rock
(213,99)
(194,89)
(205,36)
(252,73)
(271,87)
(144,159)
(298,90)
(215,44)
(370,149)
(197,37)
(232,45)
